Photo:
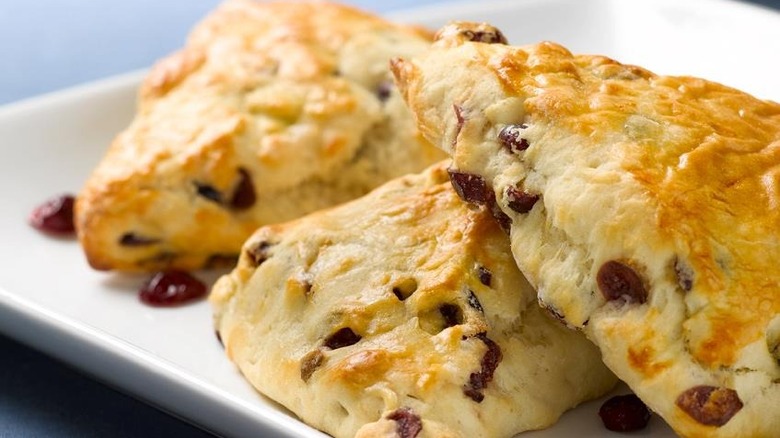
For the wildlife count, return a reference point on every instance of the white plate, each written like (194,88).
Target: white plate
(49,298)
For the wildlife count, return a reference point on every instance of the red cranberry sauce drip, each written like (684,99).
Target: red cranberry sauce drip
(55,215)
(171,288)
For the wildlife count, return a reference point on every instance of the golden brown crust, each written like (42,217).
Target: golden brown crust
(403,299)
(675,177)
(270,111)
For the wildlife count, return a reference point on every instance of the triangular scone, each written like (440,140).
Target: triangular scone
(644,208)
(398,311)
(271,111)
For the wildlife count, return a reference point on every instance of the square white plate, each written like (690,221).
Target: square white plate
(51,299)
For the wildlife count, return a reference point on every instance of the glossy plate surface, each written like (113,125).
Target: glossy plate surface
(50,299)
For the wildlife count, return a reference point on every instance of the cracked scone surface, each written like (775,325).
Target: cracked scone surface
(270,111)
(643,208)
(401,314)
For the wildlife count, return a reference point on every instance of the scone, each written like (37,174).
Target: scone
(401,313)
(645,209)
(271,111)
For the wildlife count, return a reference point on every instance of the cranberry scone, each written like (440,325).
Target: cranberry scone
(270,111)
(645,209)
(401,313)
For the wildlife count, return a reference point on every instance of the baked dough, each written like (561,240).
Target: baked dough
(271,111)
(645,209)
(401,314)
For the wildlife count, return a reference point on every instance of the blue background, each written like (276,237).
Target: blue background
(46,45)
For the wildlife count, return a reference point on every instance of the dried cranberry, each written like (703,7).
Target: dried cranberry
(244,194)
(485,276)
(452,315)
(132,239)
(520,201)
(259,252)
(171,288)
(208,191)
(220,261)
(55,215)
(504,221)
(399,294)
(384,90)
(490,36)
(479,380)
(684,275)
(618,281)
(474,302)
(344,337)
(408,424)
(310,362)
(511,137)
(624,413)
(710,405)
(308,288)
(461,119)
(471,188)
(405,288)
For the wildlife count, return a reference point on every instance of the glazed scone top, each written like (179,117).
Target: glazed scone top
(287,75)
(403,303)
(270,111)
(707,156)
(675,178)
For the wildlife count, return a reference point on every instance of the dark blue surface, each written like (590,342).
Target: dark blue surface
(46,45)
(40,397)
